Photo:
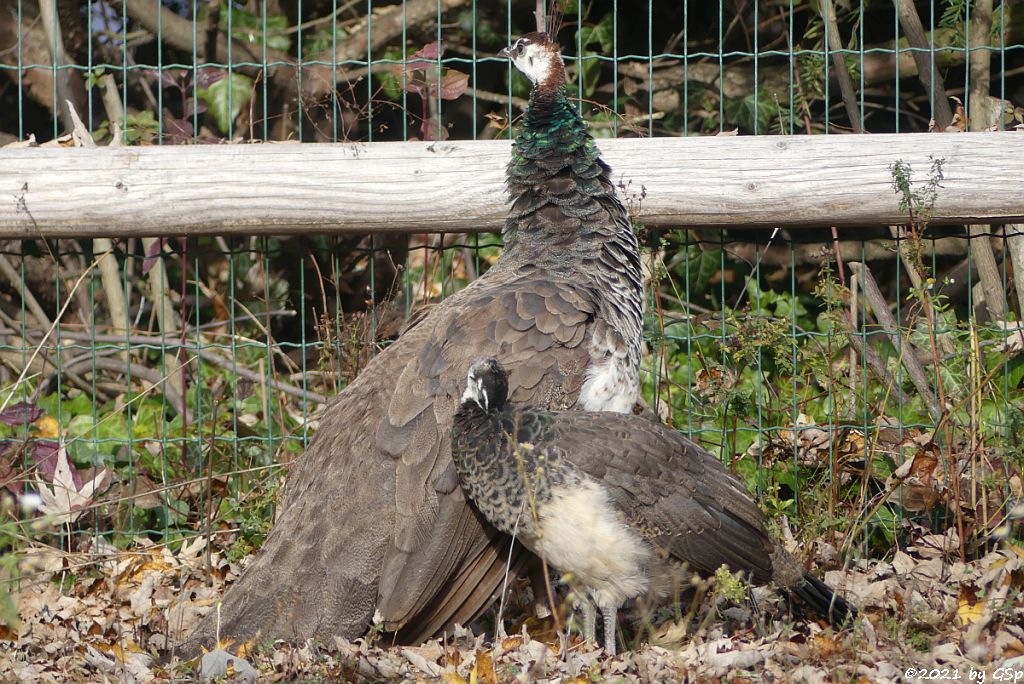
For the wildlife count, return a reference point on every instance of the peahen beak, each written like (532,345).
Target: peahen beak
(505,52)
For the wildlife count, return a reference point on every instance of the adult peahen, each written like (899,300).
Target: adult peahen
(373,524)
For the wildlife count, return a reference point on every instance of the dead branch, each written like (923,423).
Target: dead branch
(387,25)
(59,60)
(850,250)
(907,354)
(910,22)
(874,362)
(31,303)
(134,370)
(1015,245)
(981,245)
(166,316)
(834,44)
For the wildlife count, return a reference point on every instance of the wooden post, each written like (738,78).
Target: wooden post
(981,244)
(1015,243)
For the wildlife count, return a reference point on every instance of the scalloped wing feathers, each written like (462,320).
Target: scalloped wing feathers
(664,482)
(537,327)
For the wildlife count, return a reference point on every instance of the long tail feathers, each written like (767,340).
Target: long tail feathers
(824,600)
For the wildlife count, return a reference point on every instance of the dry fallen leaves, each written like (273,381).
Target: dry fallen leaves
(125,609)
(66,498)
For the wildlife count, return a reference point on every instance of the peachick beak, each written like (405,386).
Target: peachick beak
(504,52)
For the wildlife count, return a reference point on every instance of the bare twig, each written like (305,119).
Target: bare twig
(910,22)
(891,328)
(1015,245)
(313,23)
(135,370)
(72,265)
(899,233)
(167,317)
(62,76)
(31,303)
(980,74)
(115,111)
(173,340)
(255,376)
(40,366)
(49,331)
(834,44)
(110,277)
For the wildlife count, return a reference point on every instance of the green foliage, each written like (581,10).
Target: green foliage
(251,509)
(142,127)
(391,80)
(954,16)
(321,40)
(248,27)
(691,264)
(811,70)
(760,112)
(771,351)
(917,203)
(92,78)
(595,40)
(730,585)
(10,539)
(225,98)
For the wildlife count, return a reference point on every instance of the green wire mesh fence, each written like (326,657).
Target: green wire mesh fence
(167,72)
(859,379)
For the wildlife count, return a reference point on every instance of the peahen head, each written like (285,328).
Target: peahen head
(486,385)
(539,58)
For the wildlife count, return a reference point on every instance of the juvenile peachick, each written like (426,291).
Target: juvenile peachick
(618,501)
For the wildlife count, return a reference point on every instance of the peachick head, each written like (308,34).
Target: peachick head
(486,384)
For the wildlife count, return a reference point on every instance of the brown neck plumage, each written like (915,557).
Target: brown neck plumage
(553,82)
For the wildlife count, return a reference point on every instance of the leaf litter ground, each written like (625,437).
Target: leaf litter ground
(107,615)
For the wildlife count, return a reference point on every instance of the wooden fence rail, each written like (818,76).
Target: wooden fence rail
(765,181)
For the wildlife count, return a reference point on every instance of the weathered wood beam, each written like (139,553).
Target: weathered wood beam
(720,181)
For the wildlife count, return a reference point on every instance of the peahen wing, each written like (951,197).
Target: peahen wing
(374,490)
(442,564)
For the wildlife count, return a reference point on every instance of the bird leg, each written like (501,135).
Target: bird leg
(589,618)
(539,584)
(609,628)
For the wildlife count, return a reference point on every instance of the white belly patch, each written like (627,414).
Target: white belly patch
(581,533)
